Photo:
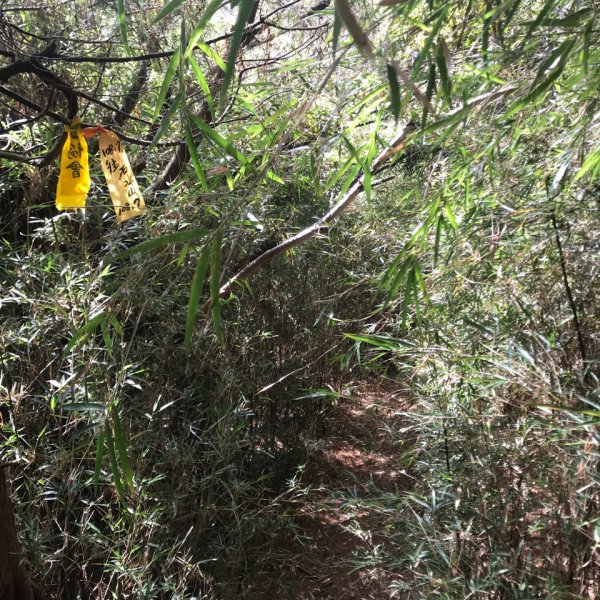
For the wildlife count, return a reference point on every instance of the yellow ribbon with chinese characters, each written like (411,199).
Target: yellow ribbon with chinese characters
(122,186)
(74,177)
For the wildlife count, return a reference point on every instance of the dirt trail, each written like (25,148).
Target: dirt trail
(331,550)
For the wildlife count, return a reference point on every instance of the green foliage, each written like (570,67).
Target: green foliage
(158,445)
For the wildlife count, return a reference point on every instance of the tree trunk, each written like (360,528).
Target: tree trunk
(14,582)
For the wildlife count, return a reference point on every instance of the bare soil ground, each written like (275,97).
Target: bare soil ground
(331,547)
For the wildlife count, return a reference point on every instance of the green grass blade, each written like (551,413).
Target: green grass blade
(195,294)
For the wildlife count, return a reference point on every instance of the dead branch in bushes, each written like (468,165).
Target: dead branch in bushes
(381,162)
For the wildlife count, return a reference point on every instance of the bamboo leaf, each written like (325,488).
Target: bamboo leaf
(207,15)
(420,282)
(585,55)
(106,336)
(167,81)
(98,460)
(172,238)
(441,19)
(85,331)
(533,25)
(591,163)
(166,120)
(123,25)
(121,448)
(215,284)
(197,164)
(431,87)
(551,60)
(408,290)
(84,406)
(195,294)
(406,80)
(244,14)
(450,214)
(351,178)
(543,87)
(221,142)
(571,20)
(511,13)
(415,293)
(394,91)
(203,84)
(400,278)
(443,67)
(446,53)
(342,8)
(168,9)
(114,465)
(115,324)
(210,53)
(335,177)
(438,238)
(336,30)
(380,341)
(274,177)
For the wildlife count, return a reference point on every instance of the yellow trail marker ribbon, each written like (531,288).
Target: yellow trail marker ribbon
(123,187)
(74,177)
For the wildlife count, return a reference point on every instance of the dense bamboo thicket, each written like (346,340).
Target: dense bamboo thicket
(403,194)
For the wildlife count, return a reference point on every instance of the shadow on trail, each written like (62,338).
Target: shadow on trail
(332,546)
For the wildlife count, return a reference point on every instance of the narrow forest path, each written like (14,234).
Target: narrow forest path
(334,548)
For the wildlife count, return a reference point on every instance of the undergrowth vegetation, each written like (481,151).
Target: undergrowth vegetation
(157,412)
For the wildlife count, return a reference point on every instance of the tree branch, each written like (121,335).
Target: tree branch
(381,162)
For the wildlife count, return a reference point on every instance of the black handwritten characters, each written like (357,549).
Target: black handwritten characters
(74,177)
(122,186)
